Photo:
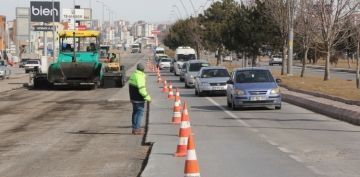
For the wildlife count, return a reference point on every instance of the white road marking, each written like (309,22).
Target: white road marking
(298,159)
(284,150)
(313,169)
(272,143)
(228,112)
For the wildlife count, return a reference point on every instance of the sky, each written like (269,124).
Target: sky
(153,11)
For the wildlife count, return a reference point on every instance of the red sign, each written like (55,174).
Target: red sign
(81,27)
(155,32)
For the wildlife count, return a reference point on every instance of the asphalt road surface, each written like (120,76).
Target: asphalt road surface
(315,72)
(63,133)
(291,142)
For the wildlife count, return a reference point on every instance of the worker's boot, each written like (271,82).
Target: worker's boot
(139,131)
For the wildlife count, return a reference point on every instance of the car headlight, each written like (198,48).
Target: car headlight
(275,91)
(191,76)
(239,92)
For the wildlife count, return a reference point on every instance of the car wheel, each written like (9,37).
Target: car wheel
(278,107)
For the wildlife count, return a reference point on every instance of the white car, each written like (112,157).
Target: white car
(191,70)
(211,80)
(164,63)
(32,65)
(4,70)
(276,59)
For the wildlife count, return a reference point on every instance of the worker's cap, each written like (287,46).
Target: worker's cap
(140,67)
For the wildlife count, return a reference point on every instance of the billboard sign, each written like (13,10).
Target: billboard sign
(43,11)
(22,22)
(43,28)
(77,14)
(155,32)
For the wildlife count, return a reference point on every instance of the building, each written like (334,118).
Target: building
(3,33)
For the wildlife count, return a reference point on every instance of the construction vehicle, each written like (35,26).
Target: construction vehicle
(114,73)
(78,63)
(104,53)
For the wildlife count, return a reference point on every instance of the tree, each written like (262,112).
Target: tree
(332,16)
(278,10)
(251,29)
(304,28)
(215,25)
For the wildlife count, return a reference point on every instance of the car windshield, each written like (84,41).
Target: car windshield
(183,57)
(208,73)
(32,62)
(253,76)
(197,66)
(165,60)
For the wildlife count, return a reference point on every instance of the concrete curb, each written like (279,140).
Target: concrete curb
(330,110)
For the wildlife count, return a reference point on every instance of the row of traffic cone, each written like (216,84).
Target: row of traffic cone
(186,145)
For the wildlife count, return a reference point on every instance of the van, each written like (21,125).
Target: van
(159,50)
(182,55)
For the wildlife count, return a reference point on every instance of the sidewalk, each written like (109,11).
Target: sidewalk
(336,109)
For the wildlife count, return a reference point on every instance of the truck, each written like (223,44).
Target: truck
(77,63)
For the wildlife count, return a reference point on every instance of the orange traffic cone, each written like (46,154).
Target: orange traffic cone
(165,87)
(176,119)
(191,163)
(171,94)
(185,128)
(184,132)
(159,80)
(177,95)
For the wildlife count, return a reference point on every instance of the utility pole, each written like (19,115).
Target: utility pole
(53,30)
(291,37)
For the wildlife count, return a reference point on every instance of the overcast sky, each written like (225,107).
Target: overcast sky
(155,11)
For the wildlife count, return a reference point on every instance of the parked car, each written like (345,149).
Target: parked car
(32,66)
(211,79)
(164,63)
(276,59)
(4,70)
(253,87)
(23,62)
(192,69)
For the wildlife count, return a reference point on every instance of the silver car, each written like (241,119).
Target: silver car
(211,80)
(253,87)
(191,70)
(4,70)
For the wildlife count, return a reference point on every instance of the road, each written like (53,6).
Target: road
(315,72)
(62,133)
(251,143)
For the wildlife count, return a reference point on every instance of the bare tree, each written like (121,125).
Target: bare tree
(356,27)
(332,16)
(278,10)
(304,28)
